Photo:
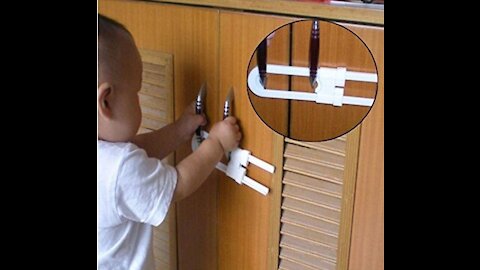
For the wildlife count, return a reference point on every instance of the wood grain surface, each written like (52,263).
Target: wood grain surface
(310,121)
(274,112)
(296,8)
(367,245)
(243,214)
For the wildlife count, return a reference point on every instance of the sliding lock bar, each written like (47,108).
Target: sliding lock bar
(236,169)
(237,166)
(330,89)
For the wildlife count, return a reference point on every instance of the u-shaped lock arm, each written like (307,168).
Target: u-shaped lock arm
(330,89)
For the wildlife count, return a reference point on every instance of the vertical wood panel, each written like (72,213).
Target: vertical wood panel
(367,246)
(338,47)
(191,36)
(348,197)
(275,204)
(274,112)
(243,214)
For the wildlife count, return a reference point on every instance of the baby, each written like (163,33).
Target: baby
(134,188)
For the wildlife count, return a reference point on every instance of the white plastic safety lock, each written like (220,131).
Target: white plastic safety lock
(235,170)
(237,166)
(338,96)
(330,89)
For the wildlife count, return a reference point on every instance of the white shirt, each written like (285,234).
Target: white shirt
(133,193)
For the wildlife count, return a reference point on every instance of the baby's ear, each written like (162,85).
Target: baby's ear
(104,94)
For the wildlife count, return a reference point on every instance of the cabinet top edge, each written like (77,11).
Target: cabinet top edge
(342,12)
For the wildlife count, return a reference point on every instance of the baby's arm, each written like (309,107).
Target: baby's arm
(194,169)
(164,141)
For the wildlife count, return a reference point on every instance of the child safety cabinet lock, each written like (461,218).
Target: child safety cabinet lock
(239,159)
(328,83)
(237,169)
(237,166)
(329,90)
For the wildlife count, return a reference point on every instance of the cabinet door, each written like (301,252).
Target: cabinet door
(367,246)
(353,237)
(244,214)
(191,36)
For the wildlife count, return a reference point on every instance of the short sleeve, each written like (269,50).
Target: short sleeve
(145,188)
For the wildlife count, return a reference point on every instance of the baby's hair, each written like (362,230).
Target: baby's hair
(110,32)
(107,26)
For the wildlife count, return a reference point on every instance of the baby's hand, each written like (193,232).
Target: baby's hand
(227,133)
(189,122)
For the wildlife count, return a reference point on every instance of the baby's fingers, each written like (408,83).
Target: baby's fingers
(231,120)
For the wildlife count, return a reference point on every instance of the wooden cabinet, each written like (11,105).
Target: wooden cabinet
(223,225)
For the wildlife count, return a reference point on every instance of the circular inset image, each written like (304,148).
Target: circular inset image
(312,80)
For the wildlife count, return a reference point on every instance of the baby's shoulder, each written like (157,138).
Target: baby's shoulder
(104,146)
(118,151)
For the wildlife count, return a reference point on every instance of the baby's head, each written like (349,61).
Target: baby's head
(119,80)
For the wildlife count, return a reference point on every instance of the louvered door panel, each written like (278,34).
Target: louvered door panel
(319,211)
(301,219)
(156,94)
(156,101)
(306,259)
(313,198)
(309,233)
(296,179)
(289,264)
